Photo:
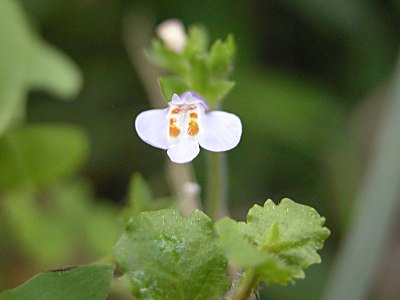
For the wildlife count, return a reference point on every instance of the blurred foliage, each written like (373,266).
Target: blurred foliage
(38,155)
(85,282)
(141,198)
(303,70)
(27,62)
(54,225)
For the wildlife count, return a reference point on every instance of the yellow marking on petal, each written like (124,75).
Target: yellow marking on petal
(193,128)
(174,131)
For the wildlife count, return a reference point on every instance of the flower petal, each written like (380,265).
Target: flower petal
(152,127)
(184,151)
(220,131)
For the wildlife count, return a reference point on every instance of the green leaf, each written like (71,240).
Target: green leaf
(53,225)
(221,57)
(40,154)
(75,283)
(16,43)
(199,82)
(219,90)
(26,62)
(172,85)
(197,42)
(53,71)
(140,194)
(140,198)
(165,256)
(168,59)
(278,241)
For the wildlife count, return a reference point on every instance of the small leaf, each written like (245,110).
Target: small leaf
(199,82)
(197,42)
(221,57)
(278,241)
(76,283)
(40,154)
(220,89)
(165,256)
(140,198)
(168,59)
(53,71)
(139,193)
(172,85)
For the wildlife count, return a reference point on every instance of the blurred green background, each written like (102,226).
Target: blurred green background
(312,79)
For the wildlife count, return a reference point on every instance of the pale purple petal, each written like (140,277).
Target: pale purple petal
(184,151)
(192,98)
(219,131)
(152,127)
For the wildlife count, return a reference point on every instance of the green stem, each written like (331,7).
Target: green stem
(246,286)
(217,185)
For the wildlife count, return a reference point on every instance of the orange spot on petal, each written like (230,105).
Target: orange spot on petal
(175,111)
(193,115)
(193,128)
(174,131)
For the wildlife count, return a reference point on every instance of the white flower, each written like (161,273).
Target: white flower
(173,34)
(185,124)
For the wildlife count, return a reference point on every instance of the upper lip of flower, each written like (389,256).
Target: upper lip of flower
(185,124)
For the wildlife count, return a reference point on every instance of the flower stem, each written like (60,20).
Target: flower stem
(245,287)
(181,177)
(217,185)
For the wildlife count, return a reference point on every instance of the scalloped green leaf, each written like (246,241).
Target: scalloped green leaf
(277,242)
(74,283)
(166,256)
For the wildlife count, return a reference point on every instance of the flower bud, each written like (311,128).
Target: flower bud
(173,34)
